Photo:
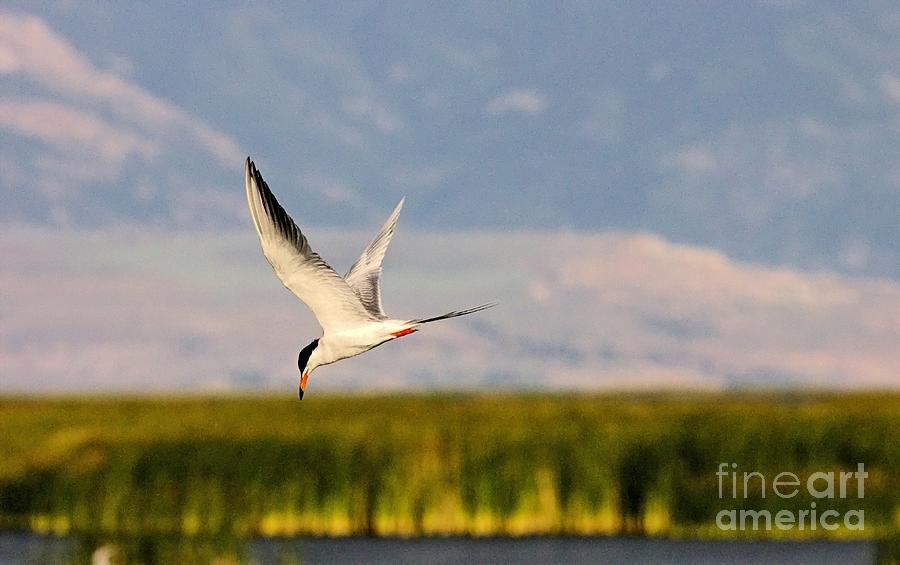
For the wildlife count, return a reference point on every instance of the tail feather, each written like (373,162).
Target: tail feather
(454,314)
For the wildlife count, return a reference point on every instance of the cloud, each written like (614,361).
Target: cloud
(28,47)
(71,130)
(615,310)
(88,145)
(370,110)
(606,118)
(420,177)
(526,101)
(890,86)
(659,71)
(322,85)
(472,58)
(332,189)
(691,160)
(399,73)
(746,176)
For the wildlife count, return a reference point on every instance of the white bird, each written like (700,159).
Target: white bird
(348,308)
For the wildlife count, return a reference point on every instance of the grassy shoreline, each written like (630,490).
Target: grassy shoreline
(434,465)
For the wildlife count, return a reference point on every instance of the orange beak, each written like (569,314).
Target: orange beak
(303,379)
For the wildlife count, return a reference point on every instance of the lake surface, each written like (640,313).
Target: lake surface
(17,547)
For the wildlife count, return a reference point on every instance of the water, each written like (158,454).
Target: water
(16,547)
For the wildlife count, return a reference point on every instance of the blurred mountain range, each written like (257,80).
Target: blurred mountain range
(131,309)
(767,130)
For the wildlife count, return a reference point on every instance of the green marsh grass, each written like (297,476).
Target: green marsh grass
(409,465)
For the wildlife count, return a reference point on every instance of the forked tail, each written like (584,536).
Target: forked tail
(454,314)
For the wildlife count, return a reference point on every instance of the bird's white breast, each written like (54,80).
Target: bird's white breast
(340,345)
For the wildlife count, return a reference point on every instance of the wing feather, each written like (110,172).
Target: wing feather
(364,277)
(336,306)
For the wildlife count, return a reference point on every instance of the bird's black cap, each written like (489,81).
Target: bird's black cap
(302,360)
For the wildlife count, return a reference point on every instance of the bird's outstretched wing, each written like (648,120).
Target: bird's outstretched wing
(300,269)
(364,277)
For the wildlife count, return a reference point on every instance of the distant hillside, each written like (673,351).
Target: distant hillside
(130,309)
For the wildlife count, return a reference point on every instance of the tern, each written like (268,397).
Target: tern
(348,308)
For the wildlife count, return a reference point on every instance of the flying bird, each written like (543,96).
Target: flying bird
(348,308)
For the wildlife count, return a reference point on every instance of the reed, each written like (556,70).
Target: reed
(409,465)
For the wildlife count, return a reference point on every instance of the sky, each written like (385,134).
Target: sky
(699,195)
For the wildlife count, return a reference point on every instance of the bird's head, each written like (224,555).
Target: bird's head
(306,362)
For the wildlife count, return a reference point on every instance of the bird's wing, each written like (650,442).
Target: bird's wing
(364,277)
(300,269)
